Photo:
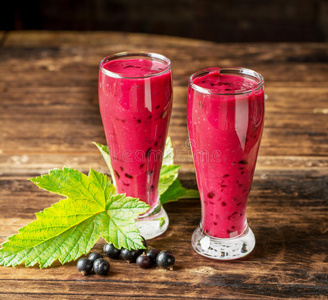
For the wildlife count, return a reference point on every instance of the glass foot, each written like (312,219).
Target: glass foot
(154,224)
(223,249)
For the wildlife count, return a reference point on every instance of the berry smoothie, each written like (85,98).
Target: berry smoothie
(225,122)
(135,99)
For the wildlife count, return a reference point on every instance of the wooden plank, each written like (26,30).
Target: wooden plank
(23,166)
(66,53)
(279,99)
(59,121)
(64,138)
(305,52)
(85,39)
(61,68)
(2,38)
(49,104)
(293,188)
(199,290)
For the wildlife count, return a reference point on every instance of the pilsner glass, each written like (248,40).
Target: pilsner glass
(225,116)
(135,99)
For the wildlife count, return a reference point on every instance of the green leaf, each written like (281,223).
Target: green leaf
(72,226)
(168,153)
(105,153)
(120,226)
(176,192)
(167,175)
(169,171)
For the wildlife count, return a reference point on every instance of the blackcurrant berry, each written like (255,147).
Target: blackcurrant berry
(130,255)
(165,259)
(94,255)
(84,266)
(152,254)
(111,251)
(101,266)
(143,261)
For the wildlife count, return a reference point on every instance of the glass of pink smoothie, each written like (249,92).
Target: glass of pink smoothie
(135,99)
(225,115)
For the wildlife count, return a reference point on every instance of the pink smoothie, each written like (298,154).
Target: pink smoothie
(225,132)
(136,111)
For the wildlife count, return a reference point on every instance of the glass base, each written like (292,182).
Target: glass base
(223,249)
(153,224)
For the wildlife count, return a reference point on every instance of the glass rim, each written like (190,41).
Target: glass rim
(131,54)
(234,71)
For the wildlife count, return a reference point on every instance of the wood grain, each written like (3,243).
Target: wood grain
(49,116)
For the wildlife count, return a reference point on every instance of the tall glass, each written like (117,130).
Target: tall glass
(225,121)
(135,99)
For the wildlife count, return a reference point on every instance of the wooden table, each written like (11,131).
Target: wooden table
(49,116)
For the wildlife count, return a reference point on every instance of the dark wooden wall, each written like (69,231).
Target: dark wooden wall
(216,20)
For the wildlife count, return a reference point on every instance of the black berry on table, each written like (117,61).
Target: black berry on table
(152,254)
(143,261)
(130,255)
(84,266)
(101,266)
(165,260)
(111,251)
(94,255)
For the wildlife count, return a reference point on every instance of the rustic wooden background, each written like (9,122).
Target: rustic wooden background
(49,116)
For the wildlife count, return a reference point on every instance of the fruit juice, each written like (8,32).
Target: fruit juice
(135,99)
(225,122)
